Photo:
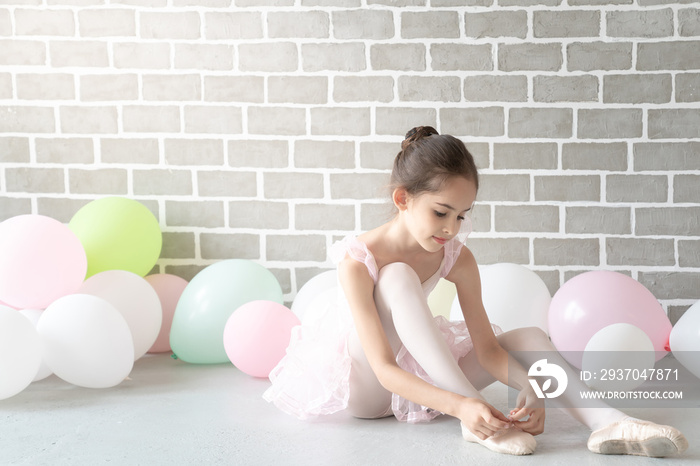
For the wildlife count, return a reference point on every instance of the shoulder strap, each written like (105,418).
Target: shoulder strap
(358,251)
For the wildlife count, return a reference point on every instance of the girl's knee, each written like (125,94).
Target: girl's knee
(531,333)
(397,278)
(396,282)
(525,338)
(397,270)
(535,333)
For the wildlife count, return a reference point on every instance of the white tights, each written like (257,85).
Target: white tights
(407,320)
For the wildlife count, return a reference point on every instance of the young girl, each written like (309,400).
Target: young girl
(380,352)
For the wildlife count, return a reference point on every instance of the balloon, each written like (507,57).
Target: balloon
(513,296)
(441,298)
(623,347)
(118,233)
(311,289)
(256,336)
(593,300)
(20,352)
(169,289)
(87,342)
(135,299)
(685,339)
(7,305)
(33,315)
(196,335)
(41,260)
(320,305)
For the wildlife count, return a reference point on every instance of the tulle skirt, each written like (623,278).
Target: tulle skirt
(313,377)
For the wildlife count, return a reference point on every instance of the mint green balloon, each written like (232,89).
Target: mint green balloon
(197,332)
(118,234)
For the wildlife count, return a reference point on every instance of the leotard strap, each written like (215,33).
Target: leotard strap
(357,250)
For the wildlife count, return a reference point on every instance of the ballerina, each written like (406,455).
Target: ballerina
(380,352)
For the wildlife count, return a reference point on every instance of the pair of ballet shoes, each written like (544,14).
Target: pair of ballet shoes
(626,437)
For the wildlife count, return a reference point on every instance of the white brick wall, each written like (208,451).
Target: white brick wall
(264,129)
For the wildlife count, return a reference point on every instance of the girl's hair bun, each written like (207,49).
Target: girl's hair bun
(417,133)
(427,159)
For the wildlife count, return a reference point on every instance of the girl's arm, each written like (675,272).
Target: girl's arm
(358,287)
(465,275)
(492,357)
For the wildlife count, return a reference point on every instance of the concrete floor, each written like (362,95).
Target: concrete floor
(175,413)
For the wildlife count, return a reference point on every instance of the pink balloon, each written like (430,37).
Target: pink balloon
(169,288)
(257,334)
(593,300)
(42,260)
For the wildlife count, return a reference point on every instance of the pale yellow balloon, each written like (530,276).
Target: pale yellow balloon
(441,298)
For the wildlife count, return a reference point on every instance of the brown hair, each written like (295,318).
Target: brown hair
(427,159)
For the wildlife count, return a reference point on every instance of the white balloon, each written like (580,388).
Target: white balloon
(137,301)
(320,305)
(33,315)
(513,296)
(617,356)
(86,341)
(685,339)
(311,289)
(20,352)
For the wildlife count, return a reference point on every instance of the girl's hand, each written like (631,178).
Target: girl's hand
(482,419)
(530,407)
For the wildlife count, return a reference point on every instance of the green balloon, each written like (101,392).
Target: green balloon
(118,234)
(197,331)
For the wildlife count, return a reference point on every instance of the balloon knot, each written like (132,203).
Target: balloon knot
(174,356)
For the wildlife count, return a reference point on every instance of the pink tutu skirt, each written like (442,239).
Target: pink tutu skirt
(313,377)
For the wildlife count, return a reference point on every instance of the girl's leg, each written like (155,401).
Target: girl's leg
(368,399)
(527,345)
(407,321)
(403,310)
(614,431)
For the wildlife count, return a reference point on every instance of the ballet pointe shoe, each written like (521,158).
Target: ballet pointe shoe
(511,441)
(637,437)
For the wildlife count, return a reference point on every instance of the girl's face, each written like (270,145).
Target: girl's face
(435,218)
